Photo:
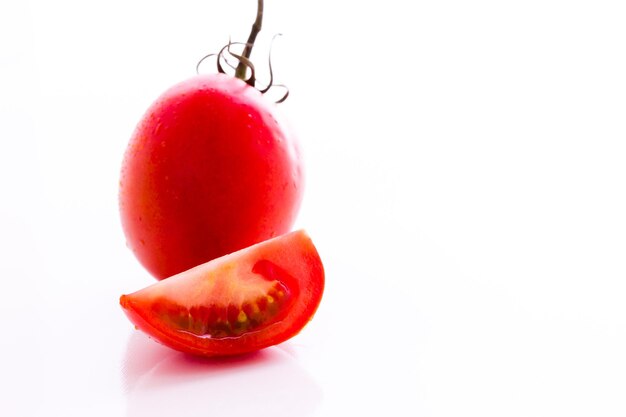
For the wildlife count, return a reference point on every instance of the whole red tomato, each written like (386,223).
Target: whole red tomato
(210,169)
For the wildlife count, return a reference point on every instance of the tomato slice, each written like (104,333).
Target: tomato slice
(248,300)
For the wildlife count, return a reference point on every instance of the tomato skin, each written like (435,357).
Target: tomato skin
(210,169)
(302,274)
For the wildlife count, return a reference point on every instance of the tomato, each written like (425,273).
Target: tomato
(210,169)
(248,300)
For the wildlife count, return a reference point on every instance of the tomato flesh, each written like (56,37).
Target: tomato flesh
(249,307)
(251,299)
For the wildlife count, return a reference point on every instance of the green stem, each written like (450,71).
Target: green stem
(241,70)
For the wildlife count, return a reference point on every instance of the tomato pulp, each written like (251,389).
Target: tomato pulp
(248,300)
(210,169)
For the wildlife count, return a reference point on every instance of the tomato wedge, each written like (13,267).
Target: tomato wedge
(242,302)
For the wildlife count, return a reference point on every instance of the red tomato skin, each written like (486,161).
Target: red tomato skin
(294,252)
(210,169)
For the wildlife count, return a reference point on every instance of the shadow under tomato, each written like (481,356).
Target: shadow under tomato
(161,382)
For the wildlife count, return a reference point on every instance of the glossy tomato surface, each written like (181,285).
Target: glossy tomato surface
(248,300)
(210,169)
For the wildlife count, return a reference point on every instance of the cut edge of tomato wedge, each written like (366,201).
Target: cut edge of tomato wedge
(290,260)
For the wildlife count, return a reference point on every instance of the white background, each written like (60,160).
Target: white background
(466,190)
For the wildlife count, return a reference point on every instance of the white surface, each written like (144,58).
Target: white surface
(466,190)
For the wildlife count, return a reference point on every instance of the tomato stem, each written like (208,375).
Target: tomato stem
(242,69)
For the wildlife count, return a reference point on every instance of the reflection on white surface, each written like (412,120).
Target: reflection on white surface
(162,382)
